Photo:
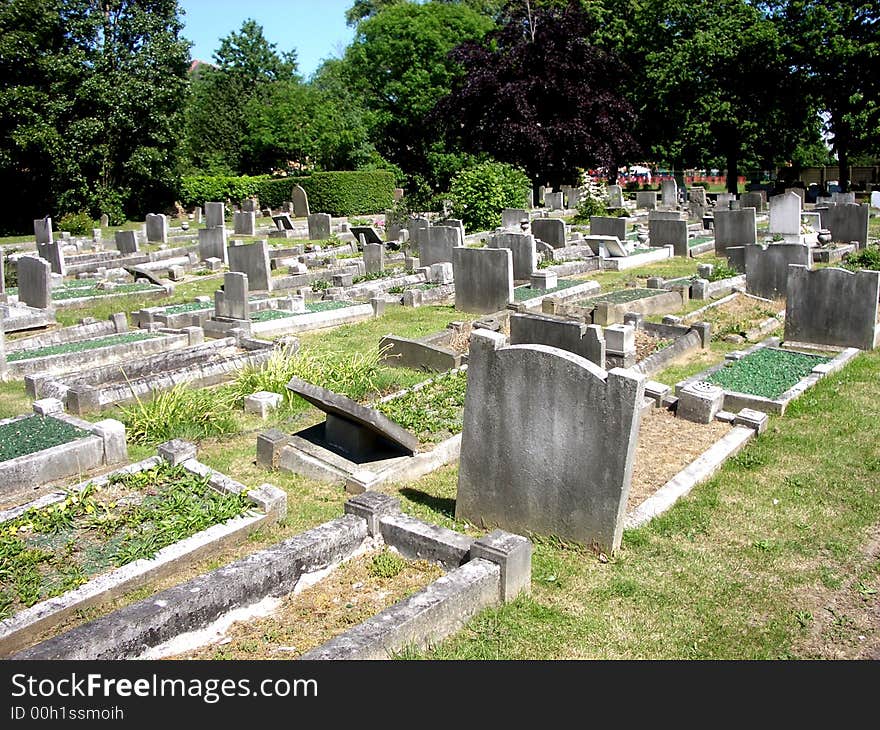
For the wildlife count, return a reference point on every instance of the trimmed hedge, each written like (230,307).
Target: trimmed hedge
(337,193)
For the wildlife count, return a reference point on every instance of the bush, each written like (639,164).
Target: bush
(867,258)
(200,189)
(78,224)
(275,192)
(348,193)
(109,202)
(592,201)
(479,193)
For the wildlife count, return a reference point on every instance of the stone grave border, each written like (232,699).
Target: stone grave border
(561,295)
(686,339)
(17,317)
(154,292)
(270,505)
(606,313)
(764,328)
(426,353)
(313,320)
(481,573)
(633,261)
(735,401)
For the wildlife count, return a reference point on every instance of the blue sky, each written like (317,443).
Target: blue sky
(314,28)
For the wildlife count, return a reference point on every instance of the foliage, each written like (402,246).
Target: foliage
(350,193)
(35,433)
(867,258)
(77,224)
(479,193)
(386,564)
(199,189)
(722,270)
(537,93)
(592,201)
(434,411)
(178,413)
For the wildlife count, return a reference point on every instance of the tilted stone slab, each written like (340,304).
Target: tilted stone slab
(549,230)
(368,232)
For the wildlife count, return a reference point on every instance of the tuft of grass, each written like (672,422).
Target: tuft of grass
(386,565)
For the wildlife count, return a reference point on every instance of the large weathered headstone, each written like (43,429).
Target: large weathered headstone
(722,202)
(669,193)
(157,228)
(549,230)
(697,195)
(767,266)
(735,228)
(522,246)
(319,226)
(126,241)
(437,244)
(300,202)
(34,281)
(233,300)
(608,226)
(43,230)
(585,340)
(483,279)
(212,244)
(754,199)
(664,232)
(245,223)
(374,258)
(615,196)
(785,217)
(512,218)
(553,201)
(548,442)
(215,215)
(646,200)
(847,222)
(251,259)
(833,307)
(54,255)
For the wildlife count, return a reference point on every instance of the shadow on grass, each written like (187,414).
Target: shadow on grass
(443,505)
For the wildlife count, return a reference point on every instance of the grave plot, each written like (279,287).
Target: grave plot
(437,352)
(739,317)
(639,257)
(531,295)
(767,377)
(200,365)
(610,308)
(73,548)
(287,600)
(80,291)
(406,435)
(50,445)
(317,315)
(658,345)
(700,244)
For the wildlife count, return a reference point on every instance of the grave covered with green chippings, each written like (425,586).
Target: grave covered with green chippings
(521,293)
(80,346)
(767,372)
(35,433)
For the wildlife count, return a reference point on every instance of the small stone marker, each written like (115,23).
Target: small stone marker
(262,403)
(319,226)
(699,402)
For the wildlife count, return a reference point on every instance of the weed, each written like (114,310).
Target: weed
(386,565)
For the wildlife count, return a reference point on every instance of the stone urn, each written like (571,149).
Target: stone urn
(823,236)
(642,236)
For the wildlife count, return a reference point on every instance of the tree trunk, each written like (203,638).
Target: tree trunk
(843,167)
(732,172)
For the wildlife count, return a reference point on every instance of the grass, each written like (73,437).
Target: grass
(81,346)
(35,433)
(767,372)
(433,412)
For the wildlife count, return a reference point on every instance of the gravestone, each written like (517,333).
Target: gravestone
(615,196)
(233,301)
(54,255)
(553,201)
(585,340)
(300,201)
(549,230)
(608,226)
(157,228)
(847,222)
(754,199)
(34,281)
(374,258)
(542,192)
(785,217)
(722,202)
(398,194)
(126,241)
(197,214)
(105,220)
(832,307)
(843,198)
(572,198)
(512,217)
(664,232)
(767,266)
(548,442)
(252,260)
(358,432)
(250,205)
(215,215)
(245,223)
(417,228)
(483,279)
(735,228)
(522,247)
(875,199)
(437,244)
(368,232)
(697,195)
(669,193)
(43,230)
(212,244)
(283,222)
(646,200)
(319,226)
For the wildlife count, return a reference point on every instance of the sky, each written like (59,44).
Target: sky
(314,28)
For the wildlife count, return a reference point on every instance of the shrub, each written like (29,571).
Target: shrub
(273,193)
(199,189)
(592,202)
(348,193)
(78,224)
(479,193)
(386,565)
(108,201)
(867,258)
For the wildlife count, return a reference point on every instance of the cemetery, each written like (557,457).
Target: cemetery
(326,393)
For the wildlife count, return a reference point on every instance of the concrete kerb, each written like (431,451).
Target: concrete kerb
(484,573)
(562,295)
(622,263)
(270,505)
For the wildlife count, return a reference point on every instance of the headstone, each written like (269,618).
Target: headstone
(585,340)
(197,214)
(374,258)
(832,307)
(126,241)
(212,244)
(697,195)
(245,223)
(2,345)
(572,198)
(43,230)
(754,199)
(438,243)
(875,199)
(215,215)
(735,228)
(157,228)
(843,198)
(669,193)
(483,279)
(300,201)
(522,246)
(398,194)
(664,232)
(847,222)
(34,281)
(572,483)
(283,222)
(319,226)
(250,205)
(646,200)
(553,201)
(512,217)
(252,259)
(615,196)
(549,230)
(2,273)
(417,228)
(105,220)
(608,226)
(722,202)
(233,301)
(785,217)
(54,255)
(767,267)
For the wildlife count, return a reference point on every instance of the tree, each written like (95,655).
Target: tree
(537,93)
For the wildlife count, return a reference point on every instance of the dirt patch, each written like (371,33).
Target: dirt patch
(739,315)
(666,446)
(348,596)
(647,345)
(461,339)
